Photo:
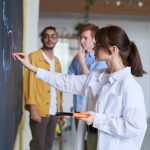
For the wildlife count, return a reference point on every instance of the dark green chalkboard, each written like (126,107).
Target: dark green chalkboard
(10,71)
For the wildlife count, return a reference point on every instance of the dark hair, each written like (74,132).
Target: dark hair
(47,28)
(85,27)
(116,36)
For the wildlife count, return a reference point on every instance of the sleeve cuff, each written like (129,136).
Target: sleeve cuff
(100,120)
(40,73)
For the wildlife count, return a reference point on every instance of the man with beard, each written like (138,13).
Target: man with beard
(41,100)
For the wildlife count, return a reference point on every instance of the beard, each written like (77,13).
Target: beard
(46,47)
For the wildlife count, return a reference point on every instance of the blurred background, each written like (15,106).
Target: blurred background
(132,15)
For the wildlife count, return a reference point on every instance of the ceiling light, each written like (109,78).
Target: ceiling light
(118,3)
(140,4)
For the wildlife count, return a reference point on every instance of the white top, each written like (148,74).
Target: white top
(53,101)
(120,109)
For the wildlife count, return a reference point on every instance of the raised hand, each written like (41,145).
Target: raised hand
(81,56)
(24,59)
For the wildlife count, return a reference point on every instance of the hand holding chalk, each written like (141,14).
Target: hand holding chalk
(13,56)
(24,59)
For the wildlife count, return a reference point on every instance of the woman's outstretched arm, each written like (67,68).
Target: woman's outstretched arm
(66,83)
(24,59)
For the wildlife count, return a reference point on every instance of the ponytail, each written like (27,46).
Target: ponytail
(116,36)
(134,61)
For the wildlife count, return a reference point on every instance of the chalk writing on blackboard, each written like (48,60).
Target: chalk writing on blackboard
(10,73)
(5,19)
(10,47)
(6,64)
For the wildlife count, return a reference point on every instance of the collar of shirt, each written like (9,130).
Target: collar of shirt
(47,58)
(41,57)
(90,53)
(116,75)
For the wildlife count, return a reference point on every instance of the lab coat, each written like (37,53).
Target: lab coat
(117,100)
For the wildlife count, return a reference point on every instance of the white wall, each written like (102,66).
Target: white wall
(138,30)
(30,43)
(31,20)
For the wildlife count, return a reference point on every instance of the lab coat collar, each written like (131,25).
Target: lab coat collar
(119,74)
(116,75)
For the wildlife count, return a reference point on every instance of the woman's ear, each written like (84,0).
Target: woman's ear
(114,49)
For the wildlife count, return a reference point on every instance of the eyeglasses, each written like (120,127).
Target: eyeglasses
(99,46)
(50,37)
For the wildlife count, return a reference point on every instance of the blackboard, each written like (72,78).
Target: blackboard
(10,71)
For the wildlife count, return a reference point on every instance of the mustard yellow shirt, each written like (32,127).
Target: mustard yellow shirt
(36,91)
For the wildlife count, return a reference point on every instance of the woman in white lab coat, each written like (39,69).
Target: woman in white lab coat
(114,100)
